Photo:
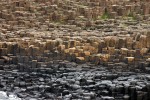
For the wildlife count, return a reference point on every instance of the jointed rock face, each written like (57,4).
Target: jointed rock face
(27,30)
(37,34)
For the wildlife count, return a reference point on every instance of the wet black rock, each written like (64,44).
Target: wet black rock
(55,82)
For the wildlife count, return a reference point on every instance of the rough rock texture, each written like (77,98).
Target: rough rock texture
(66,81)
(129,49)
(75,49)
(27,30)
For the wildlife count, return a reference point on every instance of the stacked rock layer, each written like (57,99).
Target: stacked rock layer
(76,30)
(75,49)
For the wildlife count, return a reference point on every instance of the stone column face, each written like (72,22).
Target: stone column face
(146,9)
(148,39)
(142,41)
(121,43)
(75,30)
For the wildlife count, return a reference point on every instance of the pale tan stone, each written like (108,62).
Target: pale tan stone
(66,51)
(143,41)
(107,40)
(131,53)
(129,59)
(85,48)
(148,39)
(61,48)
(48,44)
(144,51)
(87,53)
(129,42)
(104,57)
(148,60)
(72,50)
(95,44)
(80,59)
(111,50)
(112,41)
(124,51)
(104,50)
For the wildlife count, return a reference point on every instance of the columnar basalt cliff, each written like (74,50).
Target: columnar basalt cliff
(27,30)
(130,50)
(39,14)
(75,49)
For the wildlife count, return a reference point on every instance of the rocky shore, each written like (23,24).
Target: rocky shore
(40,31)
(63,80)
(75,49)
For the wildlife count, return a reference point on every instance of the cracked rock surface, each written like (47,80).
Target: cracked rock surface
(66,81)
(75,49)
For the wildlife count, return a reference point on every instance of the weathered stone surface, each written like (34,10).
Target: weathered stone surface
(129,60)
(80,59)
(59,49)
